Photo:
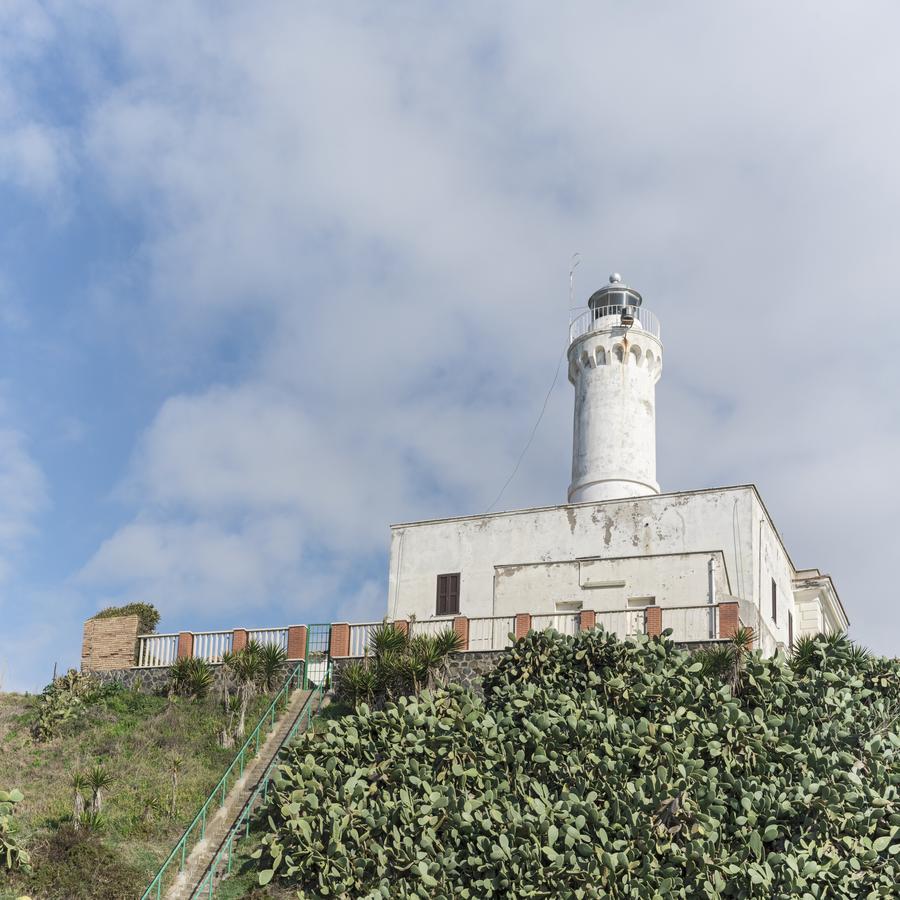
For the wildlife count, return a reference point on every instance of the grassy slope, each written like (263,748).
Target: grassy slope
(136,738)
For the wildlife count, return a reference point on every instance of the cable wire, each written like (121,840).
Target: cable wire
(533,431)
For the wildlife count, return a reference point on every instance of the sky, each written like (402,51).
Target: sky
(274,276)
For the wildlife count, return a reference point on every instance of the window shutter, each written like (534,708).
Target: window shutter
(774,602)
(447,595)
(453,595)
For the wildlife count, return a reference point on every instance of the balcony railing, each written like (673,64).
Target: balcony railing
(156,650)
(610,316)
(687,624)
(491,633)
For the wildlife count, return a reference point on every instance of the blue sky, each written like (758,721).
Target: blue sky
(274,276)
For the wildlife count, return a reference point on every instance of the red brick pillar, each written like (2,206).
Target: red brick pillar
(185,645)
(653,620)
(402,625)
(296,648)
(239,639)
(461,627)
(729,619)
(523,625)
(587,619)
(340,639)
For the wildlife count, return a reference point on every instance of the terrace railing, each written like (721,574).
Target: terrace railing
(267,636)
(212,645)
(492,633)
(360,637)
(157,650)
(692,623)
(429,626)
(564,623)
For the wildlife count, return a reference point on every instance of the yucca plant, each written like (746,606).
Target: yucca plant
(358,683)
(175,766)
(200,678)
(272,660)
(245,667)
(741,646)
(387,638)
(98,779)
(80,787)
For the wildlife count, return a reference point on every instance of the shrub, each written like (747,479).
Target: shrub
(601,768)
(147,613)
(62,702)
(80,865)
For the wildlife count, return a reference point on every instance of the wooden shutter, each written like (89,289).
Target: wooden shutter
(453,595)
(447,594)
(774,602)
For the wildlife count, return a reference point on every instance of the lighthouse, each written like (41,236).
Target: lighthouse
(615,360)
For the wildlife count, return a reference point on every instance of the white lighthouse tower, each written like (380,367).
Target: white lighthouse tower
(615,360)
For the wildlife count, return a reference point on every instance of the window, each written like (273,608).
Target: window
(790,631)
(448,594)
(774,602)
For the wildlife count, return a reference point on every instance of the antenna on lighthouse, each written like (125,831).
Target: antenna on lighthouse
(575,263)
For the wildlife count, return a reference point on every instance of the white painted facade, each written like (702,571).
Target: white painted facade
(628,546)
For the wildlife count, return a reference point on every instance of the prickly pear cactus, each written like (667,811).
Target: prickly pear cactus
(600,768)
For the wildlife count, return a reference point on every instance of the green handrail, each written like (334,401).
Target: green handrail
(206,886)
(295,678)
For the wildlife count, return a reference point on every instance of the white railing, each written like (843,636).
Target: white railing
(212,645)
(360,636)
(157,650)
(622,622)
(564,623)
(430,626)
(491,633)
(691,623)
(608,316)
(266,636)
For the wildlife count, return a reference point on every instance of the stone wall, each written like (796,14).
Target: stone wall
(466,669)
(156,680)
(109,644)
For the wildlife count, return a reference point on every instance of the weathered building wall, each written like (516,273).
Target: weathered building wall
(678,579)
(657,545)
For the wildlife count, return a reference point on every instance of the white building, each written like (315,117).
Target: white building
(618,547)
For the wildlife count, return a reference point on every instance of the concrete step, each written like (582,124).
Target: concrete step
(218,825)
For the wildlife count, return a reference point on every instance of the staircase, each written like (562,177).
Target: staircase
(219,826)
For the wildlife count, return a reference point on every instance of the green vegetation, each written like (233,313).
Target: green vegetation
(600,768)
(147,613)
(12,854)
(398,665)
(109,790)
